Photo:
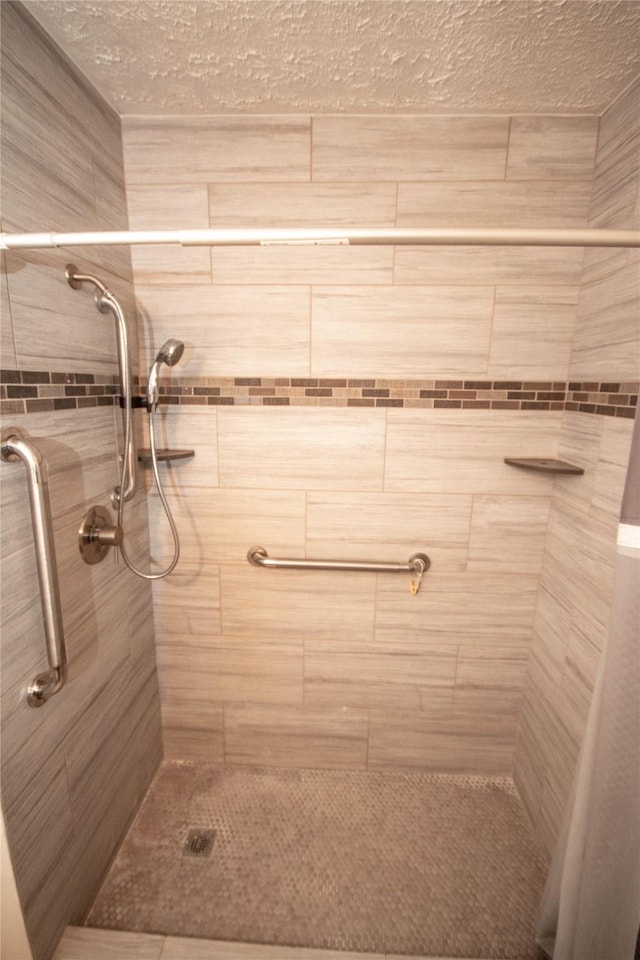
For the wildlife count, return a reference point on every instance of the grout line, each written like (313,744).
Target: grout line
(223,707)
(491,325)
(394,247)
(218,458)
(165,185)
(260,118)
(470,530)
(310,328)
(383,486)
(507,151)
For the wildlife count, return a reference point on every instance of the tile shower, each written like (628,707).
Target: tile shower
(340,402)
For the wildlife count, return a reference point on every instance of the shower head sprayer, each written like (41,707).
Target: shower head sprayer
(169,353)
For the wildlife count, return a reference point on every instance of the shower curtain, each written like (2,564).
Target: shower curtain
(591,903)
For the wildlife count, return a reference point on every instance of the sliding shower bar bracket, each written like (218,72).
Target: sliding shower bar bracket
(15,446)
(106,302)
(417,564)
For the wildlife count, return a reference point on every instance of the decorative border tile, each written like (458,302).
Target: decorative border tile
(29,391)
(609,399)
(33,391)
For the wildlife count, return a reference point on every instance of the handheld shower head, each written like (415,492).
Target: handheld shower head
(169,353)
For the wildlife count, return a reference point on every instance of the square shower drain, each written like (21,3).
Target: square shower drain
(199,843)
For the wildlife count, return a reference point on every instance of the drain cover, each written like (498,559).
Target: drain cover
(199,843)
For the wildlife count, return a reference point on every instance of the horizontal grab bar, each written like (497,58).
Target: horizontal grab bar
(419,563)
(15,446)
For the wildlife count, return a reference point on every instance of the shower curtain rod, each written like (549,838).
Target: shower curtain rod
(534,237)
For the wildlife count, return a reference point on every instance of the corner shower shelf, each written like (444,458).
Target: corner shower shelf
(144,454)
(544,466)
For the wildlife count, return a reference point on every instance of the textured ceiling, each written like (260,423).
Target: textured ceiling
(358,56)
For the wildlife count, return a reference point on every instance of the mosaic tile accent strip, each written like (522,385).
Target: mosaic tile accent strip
(608,399)
(370,862)
(29,391)
(37,391)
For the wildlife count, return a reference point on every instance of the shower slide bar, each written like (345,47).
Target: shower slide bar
(477,236)
(418,564)
(15,446)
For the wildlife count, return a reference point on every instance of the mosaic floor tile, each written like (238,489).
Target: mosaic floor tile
(366,862)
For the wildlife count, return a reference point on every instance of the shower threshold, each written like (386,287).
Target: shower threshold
(373,864)
(83,943)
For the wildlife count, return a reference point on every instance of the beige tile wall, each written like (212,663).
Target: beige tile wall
(572,613)
(607,333)
(351,670)
(74,771)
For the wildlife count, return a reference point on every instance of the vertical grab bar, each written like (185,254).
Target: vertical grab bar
(106,302)
(15,446)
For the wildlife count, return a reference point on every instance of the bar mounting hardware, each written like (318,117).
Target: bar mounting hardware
(417,564)
(17,446)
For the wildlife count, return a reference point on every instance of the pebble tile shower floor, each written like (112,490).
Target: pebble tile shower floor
(397,863)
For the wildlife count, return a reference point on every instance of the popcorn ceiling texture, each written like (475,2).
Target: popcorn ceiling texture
(168,57)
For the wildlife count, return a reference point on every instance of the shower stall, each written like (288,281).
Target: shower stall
(334,403)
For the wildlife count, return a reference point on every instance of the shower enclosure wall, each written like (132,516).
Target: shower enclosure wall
(341,402)
(357,401)
(74,771)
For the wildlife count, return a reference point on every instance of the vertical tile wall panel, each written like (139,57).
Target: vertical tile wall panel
(370,676)
(218,526)
(572,615)
(506,266)
(406,332)
(111,211)
(304,264)
(549,148)
(462,451)
(508,533)
(207,149)
(191,729)
(532,332)
(301,449)
(615,188)
(496,203)
(51,323)
(231,669)
(409,148)
(389,525)
(288,604)
(230,330)
(608,328)
(443,741)
(290,736)
(7,342)
(262,205)
(169,206)
(69,792)
(457,608)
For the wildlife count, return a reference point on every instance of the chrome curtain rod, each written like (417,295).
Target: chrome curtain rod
(490,236)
